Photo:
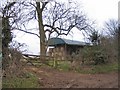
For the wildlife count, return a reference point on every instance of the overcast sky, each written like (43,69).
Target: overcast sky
(101,10)
(98,10)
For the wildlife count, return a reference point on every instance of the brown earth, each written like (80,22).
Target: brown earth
(52,78)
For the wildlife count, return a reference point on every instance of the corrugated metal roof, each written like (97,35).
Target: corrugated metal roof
(59,41)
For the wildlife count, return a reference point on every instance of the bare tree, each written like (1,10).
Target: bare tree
(111,27)
(6,31)
(10,13)
(111,41)
(6,28)
(52,16)
(94,37)
(56,17)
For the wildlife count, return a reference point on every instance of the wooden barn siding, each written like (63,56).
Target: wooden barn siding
(59,52)
(63,52)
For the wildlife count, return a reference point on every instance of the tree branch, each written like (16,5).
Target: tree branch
(43,5)
(26,32)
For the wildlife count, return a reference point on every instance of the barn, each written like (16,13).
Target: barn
(61,49)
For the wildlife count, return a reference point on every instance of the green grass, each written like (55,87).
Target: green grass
(28,81)
(64,66)
(88,69)
(91,69)
(60,65)
(105,68)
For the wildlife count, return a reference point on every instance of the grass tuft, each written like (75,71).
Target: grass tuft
(28,81)
(105,68)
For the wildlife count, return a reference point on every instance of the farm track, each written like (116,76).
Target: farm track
(52,78)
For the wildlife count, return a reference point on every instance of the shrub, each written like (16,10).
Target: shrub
(11,62)
(99,57)
(93,54)
(110,47)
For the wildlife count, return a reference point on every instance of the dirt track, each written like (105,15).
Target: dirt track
(51,78)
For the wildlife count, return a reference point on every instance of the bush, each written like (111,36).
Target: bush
(99,57)
(93,55)
(11,62)
(110,47)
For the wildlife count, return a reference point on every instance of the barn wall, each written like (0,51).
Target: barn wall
(63,52)
(58,52)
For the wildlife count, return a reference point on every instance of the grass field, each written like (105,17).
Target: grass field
(105,68)
(27,81)
(85,69)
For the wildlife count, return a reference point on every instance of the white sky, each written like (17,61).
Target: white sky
(98,10)
(101,10)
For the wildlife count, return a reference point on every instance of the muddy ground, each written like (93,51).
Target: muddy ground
(52,78)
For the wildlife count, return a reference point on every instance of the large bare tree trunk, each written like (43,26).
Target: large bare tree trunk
(41,31)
